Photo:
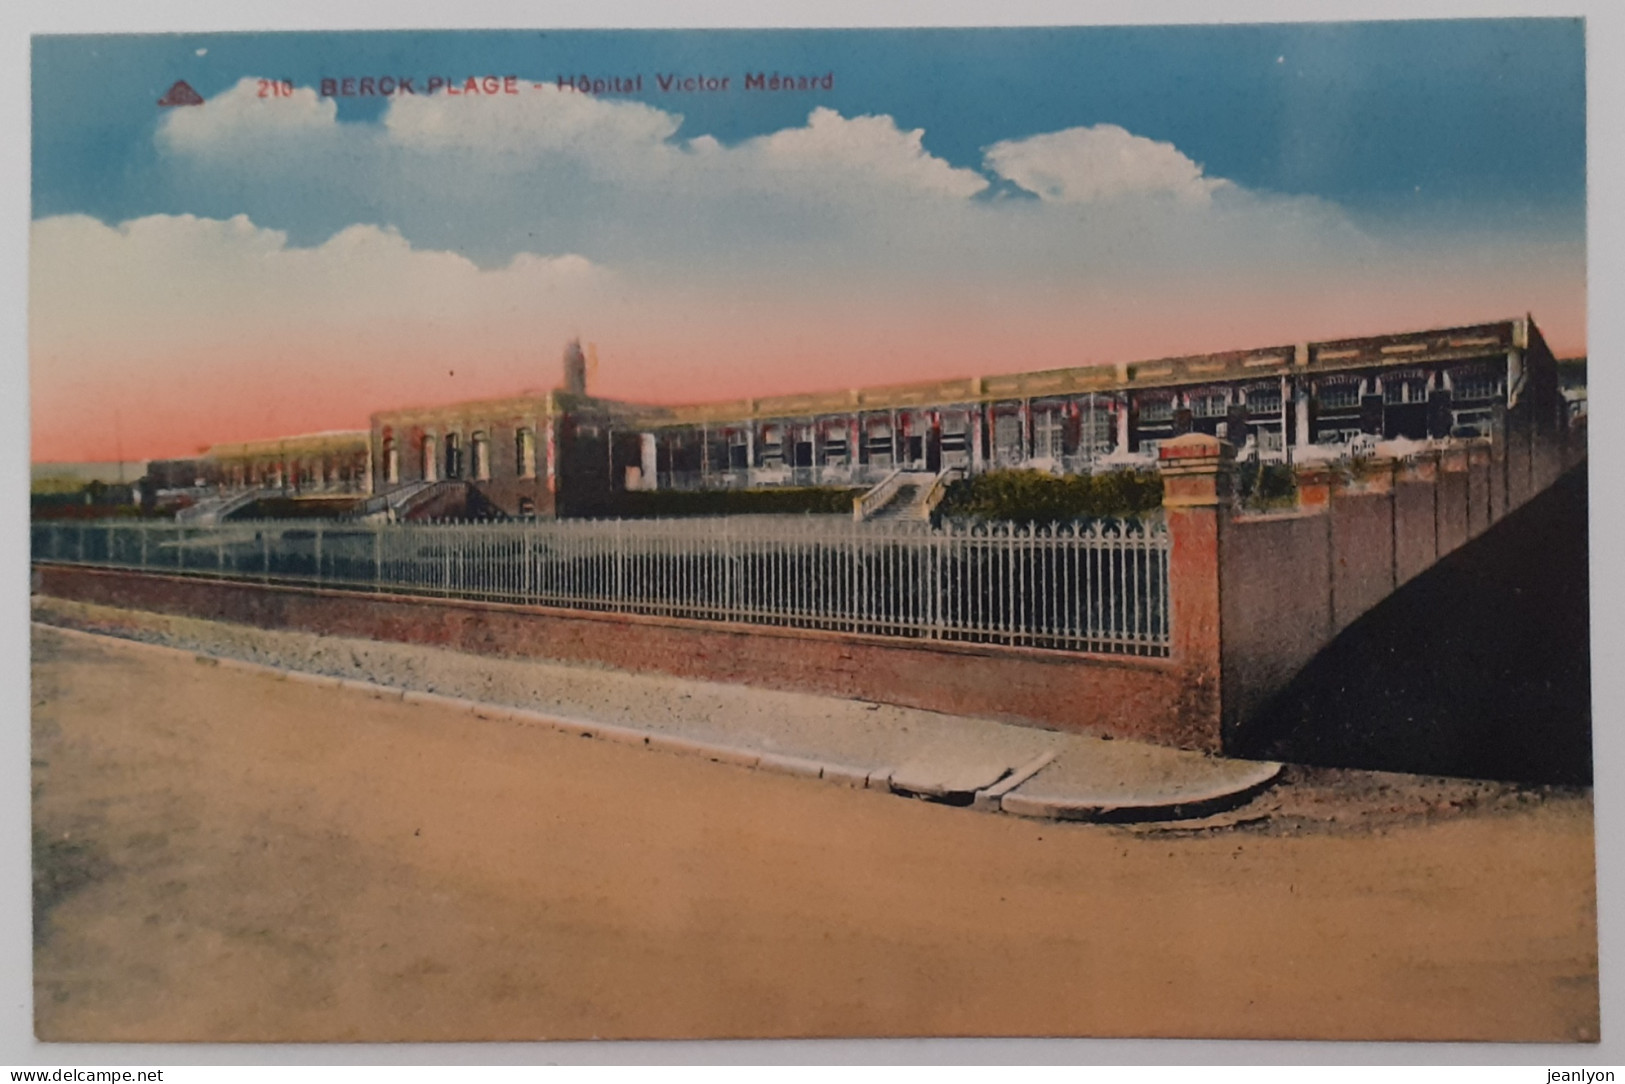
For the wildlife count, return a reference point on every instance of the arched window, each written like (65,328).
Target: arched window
(454,456)
(392,462)
(480,446)
(525,452)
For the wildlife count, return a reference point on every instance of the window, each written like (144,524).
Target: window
(481,448)
(1007,438)
(1476,386)
(1097,432)
(392,462)
(524,449)
(835,449)
(1404,390)
(1264,401)
(1213,404)
(1156,410)
(880,442)
(431,458)
(1047,434)
(454,456)
(772,446)
(1344,396)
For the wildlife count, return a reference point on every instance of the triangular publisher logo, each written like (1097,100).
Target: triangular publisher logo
(181,94)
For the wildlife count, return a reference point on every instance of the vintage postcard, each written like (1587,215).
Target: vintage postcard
(1064,531)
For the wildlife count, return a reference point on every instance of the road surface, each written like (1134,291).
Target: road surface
(228,856)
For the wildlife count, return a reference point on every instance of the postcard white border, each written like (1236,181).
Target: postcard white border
(1606,334)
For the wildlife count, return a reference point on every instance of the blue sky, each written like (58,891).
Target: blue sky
(957,202)
(1463,119)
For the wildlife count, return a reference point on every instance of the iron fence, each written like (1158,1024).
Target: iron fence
(1099,587)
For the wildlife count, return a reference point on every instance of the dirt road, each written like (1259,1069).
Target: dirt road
(226,856)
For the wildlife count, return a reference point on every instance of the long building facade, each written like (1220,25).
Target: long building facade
(562,452)
(565,452)
(315,464)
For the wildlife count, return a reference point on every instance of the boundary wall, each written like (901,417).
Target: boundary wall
(1292,582)
(1252,599)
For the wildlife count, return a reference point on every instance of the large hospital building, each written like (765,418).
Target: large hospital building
(565,451)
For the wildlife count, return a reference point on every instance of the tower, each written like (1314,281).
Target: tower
(575,369)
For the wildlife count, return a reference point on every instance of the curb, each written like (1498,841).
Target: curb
(778,763)
(1002,796)
(1186,808)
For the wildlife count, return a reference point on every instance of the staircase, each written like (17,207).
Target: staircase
(399,503)
(903,497)
(218,509)
(905,504)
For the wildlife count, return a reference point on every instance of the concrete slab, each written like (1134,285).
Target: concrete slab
(1127,781)
(951,772)
(991,798)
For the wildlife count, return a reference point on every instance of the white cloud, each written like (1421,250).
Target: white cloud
(542,129)
(1105,162)
(872,147)
(183,281)
(240,117)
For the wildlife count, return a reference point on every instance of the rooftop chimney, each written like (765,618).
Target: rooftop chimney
(575,369)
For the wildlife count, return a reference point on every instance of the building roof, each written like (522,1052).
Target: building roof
(333,440)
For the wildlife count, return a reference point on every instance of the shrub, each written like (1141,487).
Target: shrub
(1265,485)
(1030,496)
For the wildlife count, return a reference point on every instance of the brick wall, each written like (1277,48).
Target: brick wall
(1122,697)
(1253,598)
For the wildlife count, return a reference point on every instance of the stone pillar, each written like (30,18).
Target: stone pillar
(1300,403)
(1122,426)
(1453,495)
(1479,470)
(1197,475)
(649,460)
(1314,487)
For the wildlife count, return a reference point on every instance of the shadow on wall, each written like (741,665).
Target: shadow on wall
(1479,667)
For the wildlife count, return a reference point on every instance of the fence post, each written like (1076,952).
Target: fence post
(145,530)
(620,570)
(318,553)
(1197,474)
(265,554)
(180,548)
(377,557)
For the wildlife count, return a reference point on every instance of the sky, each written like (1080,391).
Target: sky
(926,203)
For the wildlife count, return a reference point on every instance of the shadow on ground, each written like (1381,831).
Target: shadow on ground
(1479,667)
